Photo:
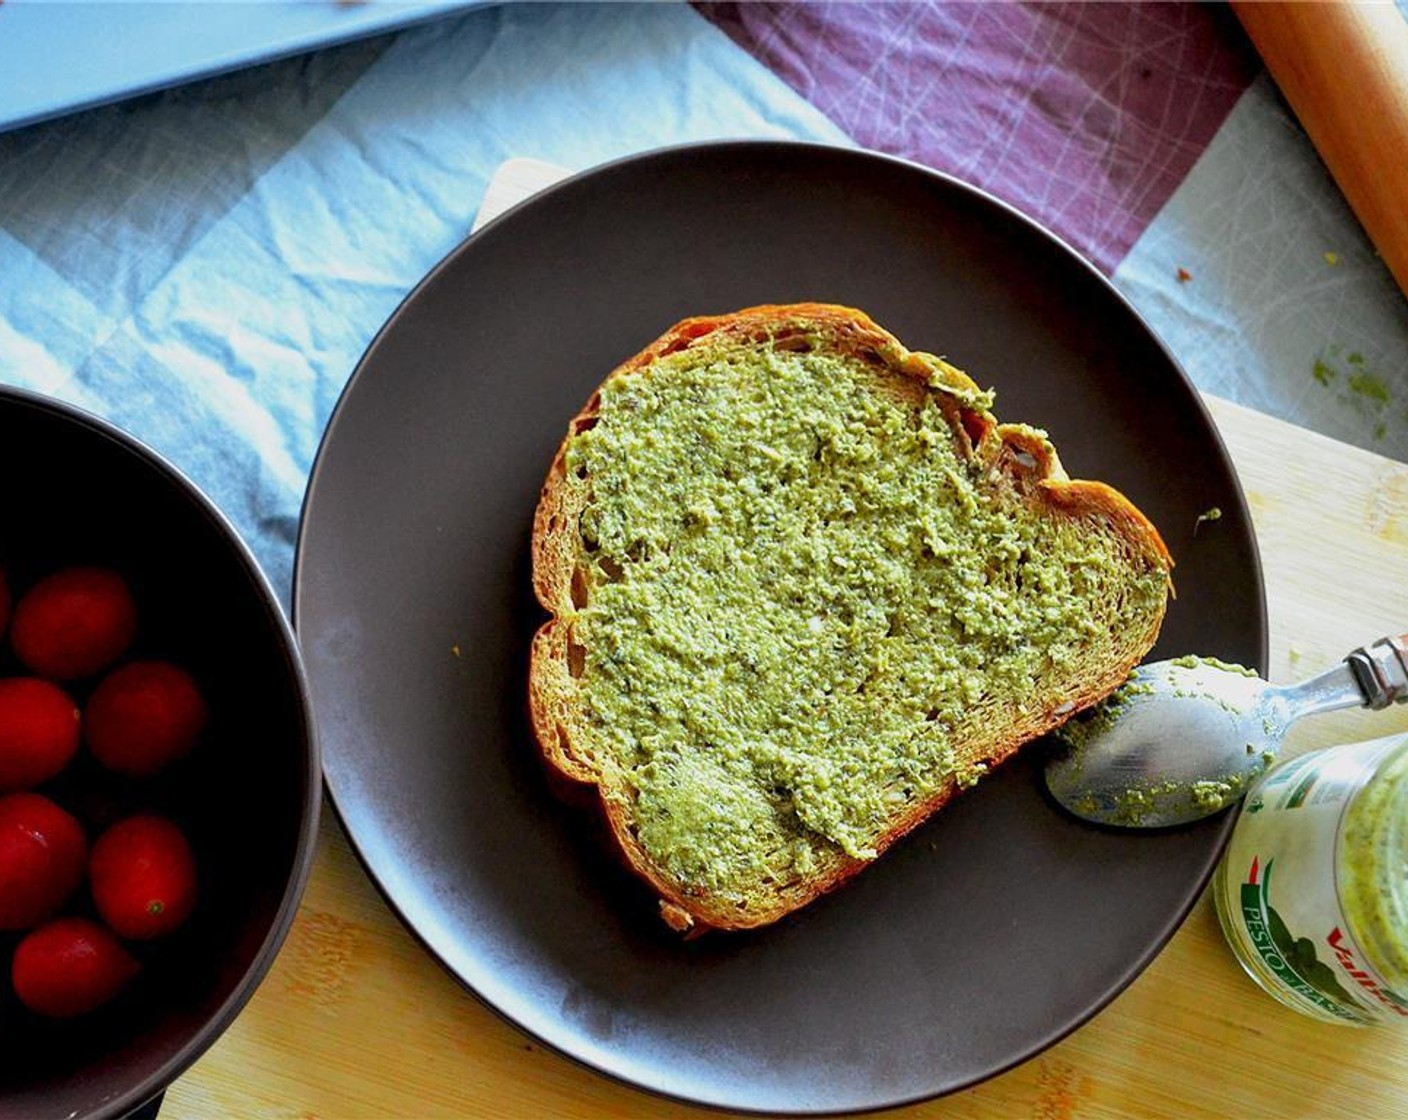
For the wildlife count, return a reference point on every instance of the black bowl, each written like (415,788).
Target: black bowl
(75,490)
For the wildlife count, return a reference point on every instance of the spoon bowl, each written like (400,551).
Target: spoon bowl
(1161,751)
(1182,739)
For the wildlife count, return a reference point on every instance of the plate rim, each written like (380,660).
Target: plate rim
(1132,969)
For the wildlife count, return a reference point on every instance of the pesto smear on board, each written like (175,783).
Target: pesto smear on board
(801,595)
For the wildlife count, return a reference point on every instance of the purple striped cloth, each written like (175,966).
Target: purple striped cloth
(1086,116)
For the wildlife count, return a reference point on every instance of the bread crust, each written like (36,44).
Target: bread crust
(1027,463)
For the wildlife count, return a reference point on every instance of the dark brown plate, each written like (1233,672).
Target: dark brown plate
(990,932)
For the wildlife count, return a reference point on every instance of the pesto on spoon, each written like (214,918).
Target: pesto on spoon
(1182,739)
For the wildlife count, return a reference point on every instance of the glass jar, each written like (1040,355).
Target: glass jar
(1312,891)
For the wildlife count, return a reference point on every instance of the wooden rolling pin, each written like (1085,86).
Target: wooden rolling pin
(1344,69)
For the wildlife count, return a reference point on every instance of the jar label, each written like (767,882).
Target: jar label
(1278,894)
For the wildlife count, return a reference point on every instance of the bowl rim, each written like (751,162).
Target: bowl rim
(216,1023)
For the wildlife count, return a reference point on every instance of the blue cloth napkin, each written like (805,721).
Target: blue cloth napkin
(205,266)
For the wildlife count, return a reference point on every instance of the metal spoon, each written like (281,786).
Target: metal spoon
(1184,738)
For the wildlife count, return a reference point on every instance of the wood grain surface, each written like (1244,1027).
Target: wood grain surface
(1343,67)
(356,1020)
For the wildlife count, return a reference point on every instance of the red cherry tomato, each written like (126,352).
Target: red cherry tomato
(143,877)
(70,967)
(144,716)
(38,732)
(42,852)
(74,623)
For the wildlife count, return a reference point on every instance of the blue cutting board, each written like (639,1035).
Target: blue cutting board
(57,56)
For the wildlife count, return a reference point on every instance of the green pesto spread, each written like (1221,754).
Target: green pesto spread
(1136,806)
(802,594)
(1190,661)
(1215,794)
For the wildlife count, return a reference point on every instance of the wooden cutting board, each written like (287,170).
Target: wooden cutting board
(1343,67)
(356,1020)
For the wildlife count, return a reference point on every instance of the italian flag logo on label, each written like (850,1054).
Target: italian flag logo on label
(1291,958)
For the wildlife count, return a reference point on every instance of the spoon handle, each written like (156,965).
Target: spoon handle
(1373,676)
(1381,670)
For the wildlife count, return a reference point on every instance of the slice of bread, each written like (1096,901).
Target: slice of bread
(804,588)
